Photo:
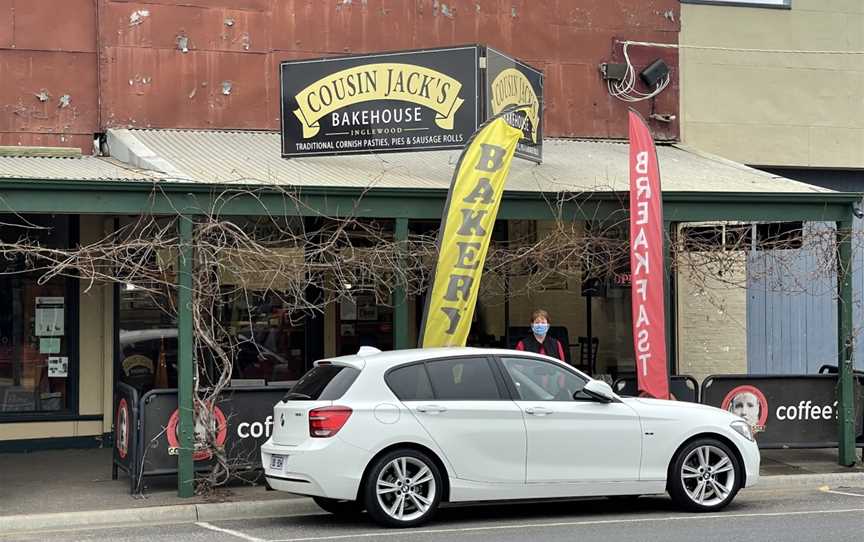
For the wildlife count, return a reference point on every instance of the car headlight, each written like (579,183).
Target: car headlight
(742,428)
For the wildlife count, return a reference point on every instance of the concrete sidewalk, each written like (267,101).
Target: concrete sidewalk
(79,480)
(797,462)
(64,489)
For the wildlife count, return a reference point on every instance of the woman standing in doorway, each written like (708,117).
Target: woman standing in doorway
(539,341)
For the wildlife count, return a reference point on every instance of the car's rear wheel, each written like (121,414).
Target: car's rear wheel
(705,476)
(403,488)
(339,507)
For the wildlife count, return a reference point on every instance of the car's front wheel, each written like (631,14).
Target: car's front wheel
(705,476)
(403,488)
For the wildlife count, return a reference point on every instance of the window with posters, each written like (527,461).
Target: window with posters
(38,327)
(265,335)
(269,341)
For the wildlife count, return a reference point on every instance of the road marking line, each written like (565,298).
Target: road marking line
(232,532)
(827,489)
(405,532)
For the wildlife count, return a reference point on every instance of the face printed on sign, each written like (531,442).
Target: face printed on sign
(217,422)
(749,403)
(122,429)
(746,405)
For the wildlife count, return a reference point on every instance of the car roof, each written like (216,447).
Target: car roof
(398,357)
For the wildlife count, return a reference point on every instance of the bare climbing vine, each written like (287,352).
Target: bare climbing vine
(315,261)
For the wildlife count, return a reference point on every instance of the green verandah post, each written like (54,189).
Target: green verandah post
(185,347)
(669,299)
(845,336)
(400,300)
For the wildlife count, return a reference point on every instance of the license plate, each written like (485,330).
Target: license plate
(276,461)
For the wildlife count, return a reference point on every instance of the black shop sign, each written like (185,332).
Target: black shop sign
(784,411)
(431,99)
(147,436)
(511,82)
(379,103)
(243,419)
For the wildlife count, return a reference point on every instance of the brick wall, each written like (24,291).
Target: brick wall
(712,318)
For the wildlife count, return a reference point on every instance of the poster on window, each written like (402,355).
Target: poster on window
(58,367)
(50,317)
(366,308)
(49,345)
(348,309)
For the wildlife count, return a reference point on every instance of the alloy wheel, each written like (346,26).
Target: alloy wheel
(708,475)
(405,488)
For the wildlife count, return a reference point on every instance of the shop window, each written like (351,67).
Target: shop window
(270,339)
(717,237)
(147,340)
(779,235)
(38,353)
(731,237)
(268,342)
(264,335)
(363,322)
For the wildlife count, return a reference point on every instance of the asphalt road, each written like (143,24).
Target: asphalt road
(803,514)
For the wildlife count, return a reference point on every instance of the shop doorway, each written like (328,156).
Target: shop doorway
(363,322)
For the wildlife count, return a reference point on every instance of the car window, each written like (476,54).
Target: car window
(410,383)
(537,380)
(458,379)
(323,383)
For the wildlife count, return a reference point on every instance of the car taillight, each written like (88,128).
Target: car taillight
(327,421)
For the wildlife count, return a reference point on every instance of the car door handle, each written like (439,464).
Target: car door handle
(538,411)
(431,409)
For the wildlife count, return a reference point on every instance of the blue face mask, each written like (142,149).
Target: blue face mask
(540,329)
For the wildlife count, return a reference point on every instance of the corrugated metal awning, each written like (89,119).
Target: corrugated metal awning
(81,168)
(250,157)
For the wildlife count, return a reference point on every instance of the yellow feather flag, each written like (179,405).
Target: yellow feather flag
(466,227)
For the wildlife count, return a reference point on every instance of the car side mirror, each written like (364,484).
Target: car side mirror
(599,390)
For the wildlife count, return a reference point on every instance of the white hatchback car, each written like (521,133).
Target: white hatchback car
(398,433)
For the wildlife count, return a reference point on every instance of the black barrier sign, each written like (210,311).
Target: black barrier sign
(510,82)
(681,387)
(125,431)
(242,420)
(784,411)
(378,103)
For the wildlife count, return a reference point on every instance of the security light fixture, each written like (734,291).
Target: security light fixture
(654,73)
(613,72)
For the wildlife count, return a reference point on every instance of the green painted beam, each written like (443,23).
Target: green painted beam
(704,211)
(185,370)
(103,197)
(845,336)
(400,300)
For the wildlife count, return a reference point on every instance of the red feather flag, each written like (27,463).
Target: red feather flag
(646,262)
